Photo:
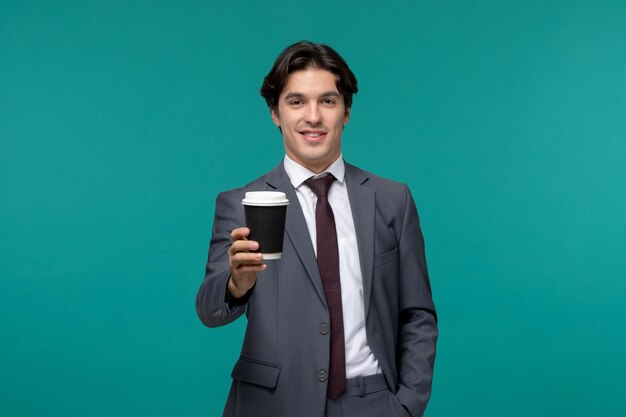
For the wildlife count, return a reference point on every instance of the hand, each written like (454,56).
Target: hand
(243,264)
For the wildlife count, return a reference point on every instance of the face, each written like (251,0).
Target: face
(311,115)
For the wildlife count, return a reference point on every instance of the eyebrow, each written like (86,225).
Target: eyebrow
(326,94)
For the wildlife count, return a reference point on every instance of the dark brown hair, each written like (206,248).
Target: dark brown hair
(303,55)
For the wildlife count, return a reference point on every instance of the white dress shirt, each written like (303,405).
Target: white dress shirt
(359,357)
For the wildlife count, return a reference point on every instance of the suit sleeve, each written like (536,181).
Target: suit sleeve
(418,332)
(211,305)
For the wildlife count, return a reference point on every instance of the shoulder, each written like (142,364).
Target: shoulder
(239,192)
(393,199)
(260,183)
(383,186)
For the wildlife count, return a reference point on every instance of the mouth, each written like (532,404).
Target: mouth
(313,135)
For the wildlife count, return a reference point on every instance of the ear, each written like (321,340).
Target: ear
(346,116)
(275,116)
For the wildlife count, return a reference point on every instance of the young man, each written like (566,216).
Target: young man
(344,324)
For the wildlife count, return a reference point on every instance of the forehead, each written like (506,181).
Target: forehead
(310,81)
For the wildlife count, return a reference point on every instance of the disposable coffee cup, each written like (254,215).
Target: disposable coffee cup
(265,217)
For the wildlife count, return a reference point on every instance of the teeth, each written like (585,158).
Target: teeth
(313,135)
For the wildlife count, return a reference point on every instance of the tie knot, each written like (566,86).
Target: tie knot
(320,186)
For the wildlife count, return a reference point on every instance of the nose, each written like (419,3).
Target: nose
(313,115)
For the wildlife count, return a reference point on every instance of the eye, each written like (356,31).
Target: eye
(295,102)
(329,101)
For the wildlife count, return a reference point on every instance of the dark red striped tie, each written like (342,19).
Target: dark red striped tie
(328,263)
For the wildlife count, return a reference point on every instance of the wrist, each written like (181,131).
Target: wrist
(233,290)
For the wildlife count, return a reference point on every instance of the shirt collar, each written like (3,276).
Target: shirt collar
(298,174)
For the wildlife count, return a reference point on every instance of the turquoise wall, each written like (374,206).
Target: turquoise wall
(120,121)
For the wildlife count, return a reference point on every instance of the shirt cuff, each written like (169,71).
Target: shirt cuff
(232,302)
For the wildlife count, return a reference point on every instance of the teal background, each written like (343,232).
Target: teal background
(120,121)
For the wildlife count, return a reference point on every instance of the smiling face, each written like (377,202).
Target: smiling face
(311,114)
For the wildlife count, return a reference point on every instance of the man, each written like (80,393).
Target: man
(344,324)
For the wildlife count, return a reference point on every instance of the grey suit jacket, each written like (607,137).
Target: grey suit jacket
(285,346)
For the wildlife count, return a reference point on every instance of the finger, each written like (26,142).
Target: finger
(252,268)
(243,246)
(246,258)
(239,233)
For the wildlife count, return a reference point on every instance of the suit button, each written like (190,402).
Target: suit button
(324,328)
(322,376)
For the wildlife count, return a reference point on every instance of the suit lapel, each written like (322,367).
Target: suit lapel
(295,226)
(363,206)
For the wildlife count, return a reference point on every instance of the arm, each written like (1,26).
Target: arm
(231,269)
(418,333)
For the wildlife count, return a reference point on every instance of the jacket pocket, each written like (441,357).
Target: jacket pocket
(402,412)
(255,372)
(386,258)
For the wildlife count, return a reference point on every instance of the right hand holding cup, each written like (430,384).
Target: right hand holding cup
(243,264)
